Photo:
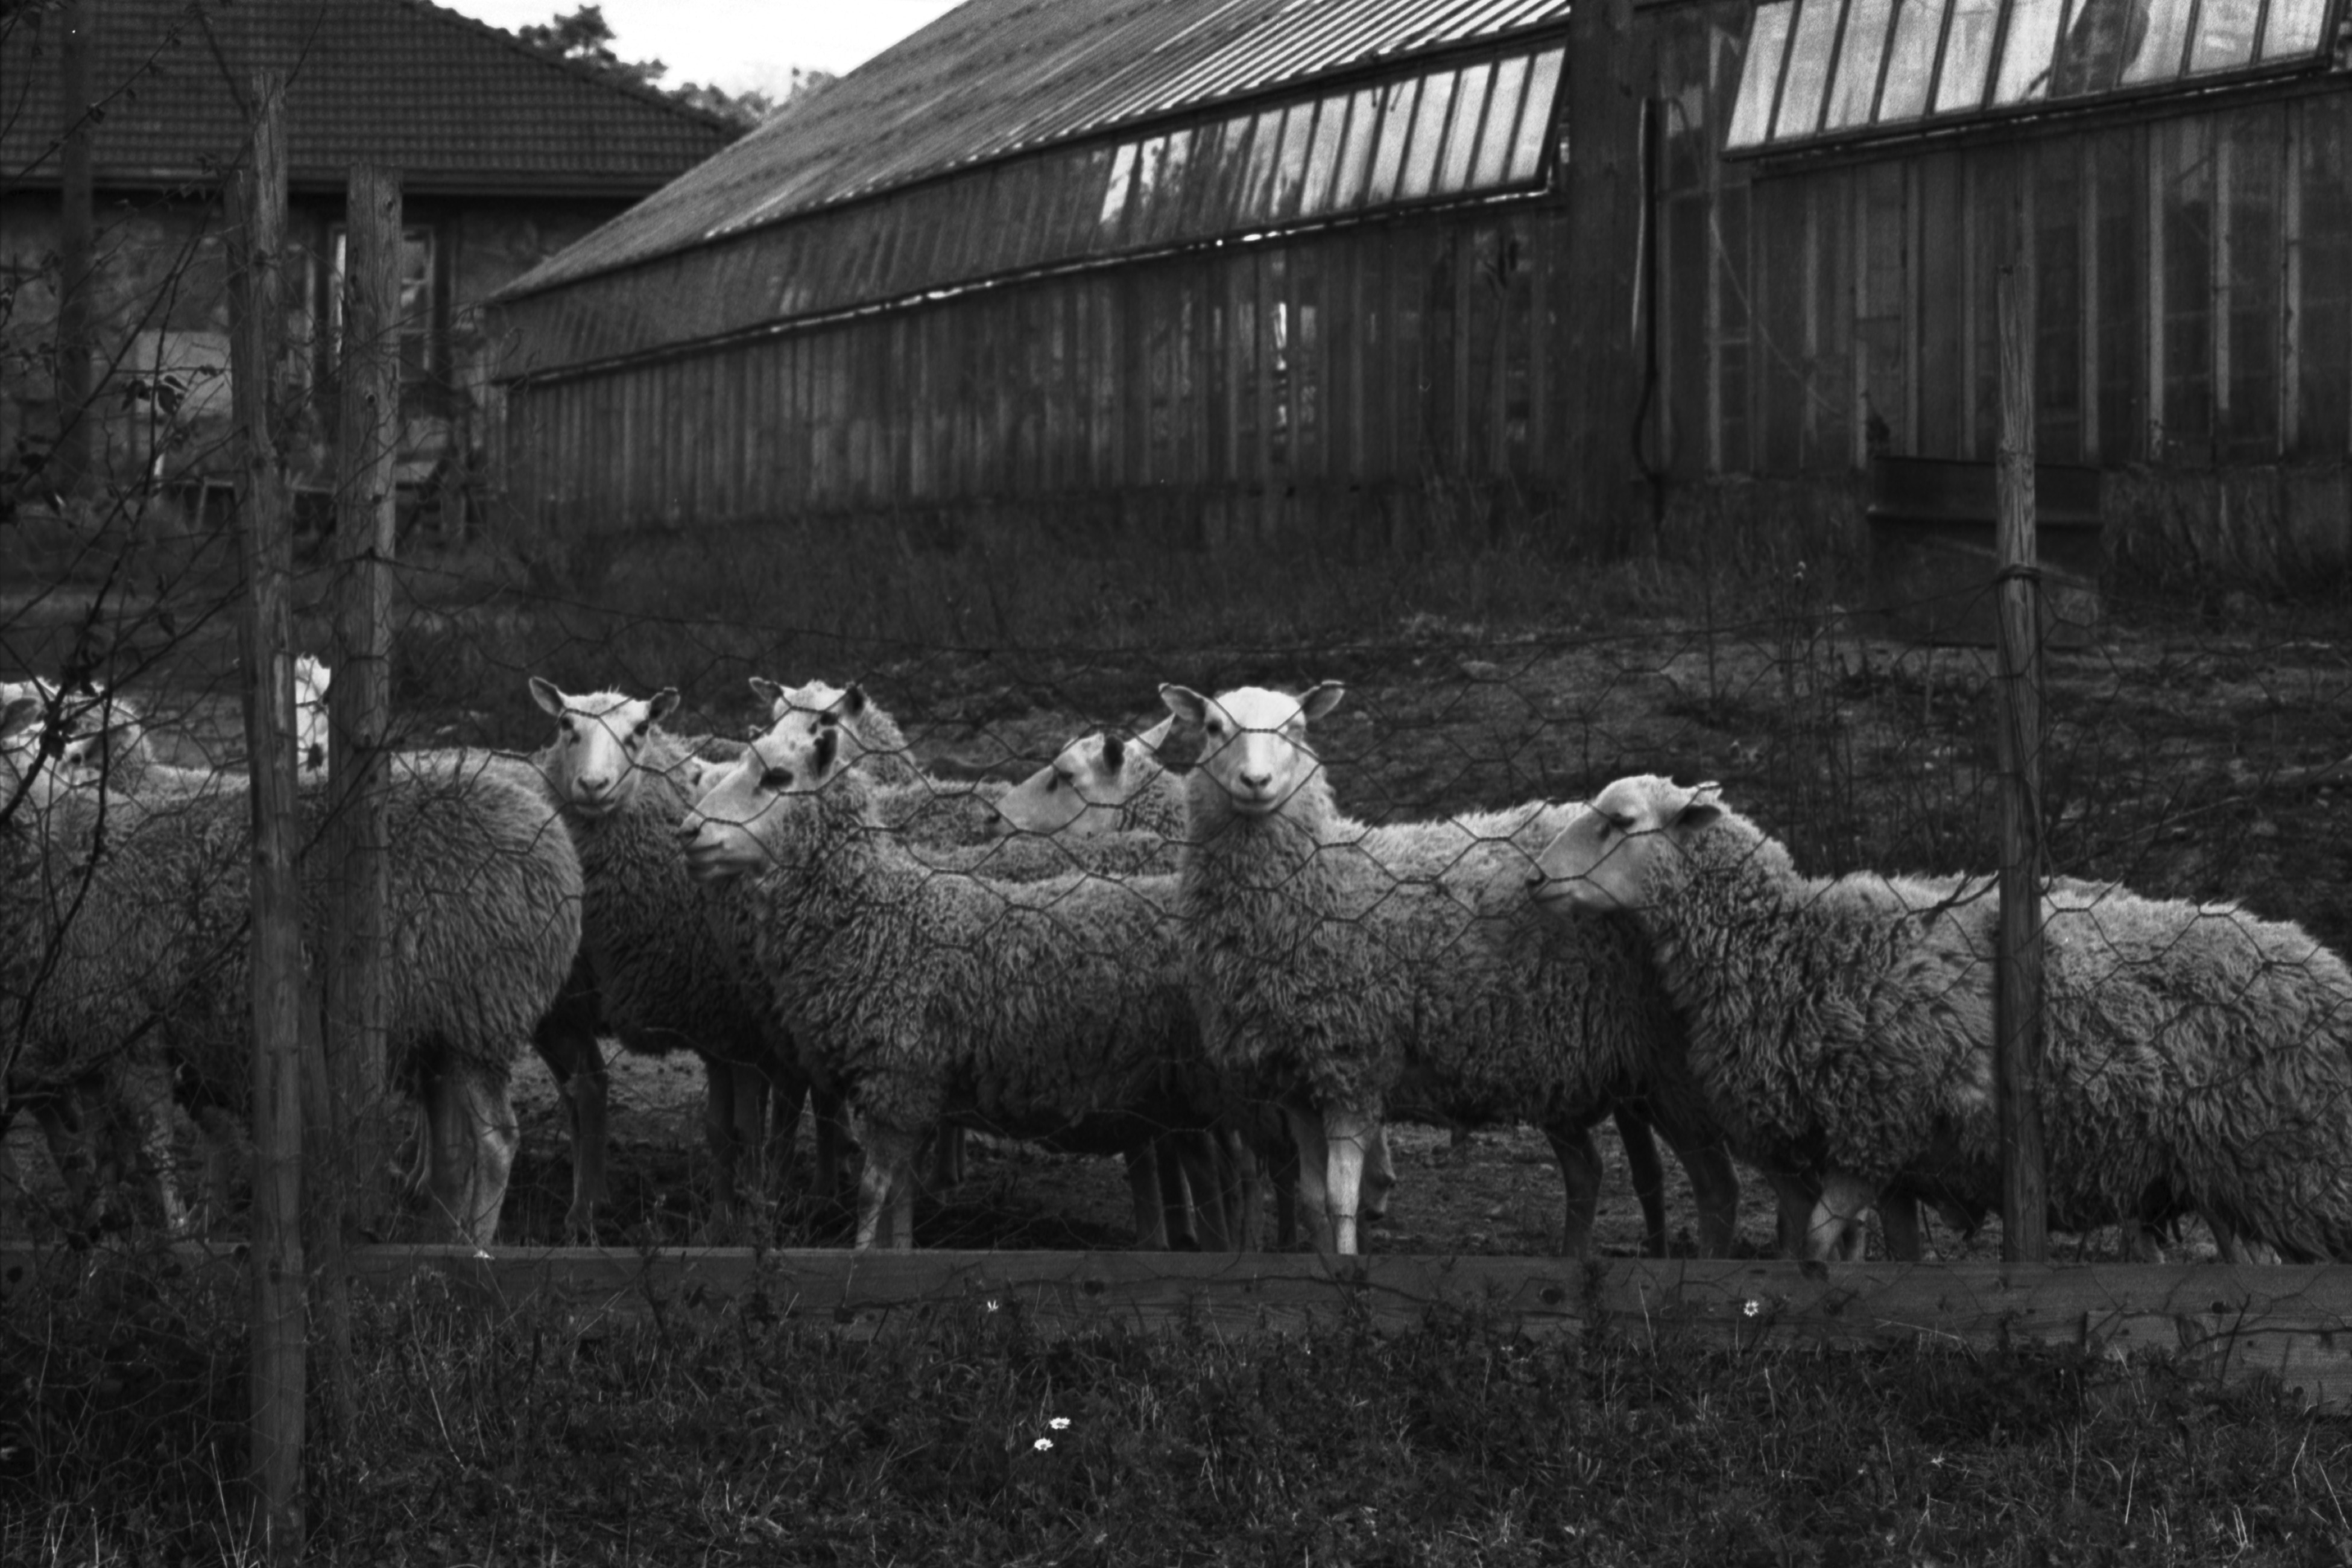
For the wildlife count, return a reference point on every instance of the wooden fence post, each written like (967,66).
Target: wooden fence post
(277,1382)
(2017,989)
(358,944)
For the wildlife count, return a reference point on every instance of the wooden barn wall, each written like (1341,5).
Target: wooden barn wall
(1328,384)
(2193,323)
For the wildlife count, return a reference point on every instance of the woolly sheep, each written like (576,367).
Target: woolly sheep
(1842,1028)
(1050,1008)
(1336,967)
(132,960)
(667,975)
(913,802)
(1100,783)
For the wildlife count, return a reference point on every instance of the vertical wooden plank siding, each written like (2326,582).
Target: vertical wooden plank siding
(2054,175)
(1943,375)
(2323,312)
(2253,245)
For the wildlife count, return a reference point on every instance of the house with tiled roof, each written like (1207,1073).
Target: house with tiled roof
(507,155)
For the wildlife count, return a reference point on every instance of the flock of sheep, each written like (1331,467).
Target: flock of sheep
(1214,972)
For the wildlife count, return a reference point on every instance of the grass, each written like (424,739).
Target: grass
(723,1435)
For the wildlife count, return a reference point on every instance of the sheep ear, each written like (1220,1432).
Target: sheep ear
(1113,752)
(20,714)
(662,704)
(1321,699)
(828,743)
(1184,702)
(768,692)
(543,692)
(1702,806)
(1151,739)
(852,702)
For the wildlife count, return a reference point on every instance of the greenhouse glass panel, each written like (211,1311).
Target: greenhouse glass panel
(1112,217)
(1967,55)
(1536,118)
(1494,164)
(1388,155)
(1169,184)
(1255,202)
(2225,36)
(2296,27)
(1807,79)
(1911,72)
(2166,39)
(1290,162)
(1855,86)
(1462,133)
(1420,170)
(1323,161)
(2099,36)
(2025,52)
(1759,79)
(1364,115)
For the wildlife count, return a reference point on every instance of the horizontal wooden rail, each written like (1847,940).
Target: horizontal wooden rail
(2292,1322)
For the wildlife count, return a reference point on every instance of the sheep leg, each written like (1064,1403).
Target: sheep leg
(1379,1176)
(60,1121)
(1715,1184)
(886,1189)
(832,1140)
(719,1120)
(1835,1228)
(1200,1158)
(1898,1218)
(1309,1169)
(146,1092)
(1793,1211)
(566,1039)
(947,1158)
(1237,1195)
(1648,1173)
(1346,1131)
(1143,1186)
(470,1122)
(1179,1201)
(1580,1173)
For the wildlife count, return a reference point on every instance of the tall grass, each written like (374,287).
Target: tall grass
(729,1434)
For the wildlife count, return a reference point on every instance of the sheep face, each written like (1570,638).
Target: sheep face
(847,704)
(1254,742)
(1606,859)
(1081,791)
(730,831)
(599,737)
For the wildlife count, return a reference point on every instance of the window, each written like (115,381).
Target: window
(416,312)
(1822,68)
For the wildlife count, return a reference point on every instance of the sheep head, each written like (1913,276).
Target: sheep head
(599,737)
(1607,858)
(730,831)
(1080,792)
(1254,742)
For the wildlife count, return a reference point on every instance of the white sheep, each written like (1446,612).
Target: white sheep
(1337,967)
(1041,1009)
(125,939)
(2193,1054)
(1100,784)
(666,974)
(912,801)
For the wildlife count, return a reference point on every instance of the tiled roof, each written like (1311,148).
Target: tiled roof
(997,77)
(456,106)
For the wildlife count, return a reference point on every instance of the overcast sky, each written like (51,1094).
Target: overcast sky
(739,44)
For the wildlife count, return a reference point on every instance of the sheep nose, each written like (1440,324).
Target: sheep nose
(315,758)
(1258,782)
(688,831)
(1536,882)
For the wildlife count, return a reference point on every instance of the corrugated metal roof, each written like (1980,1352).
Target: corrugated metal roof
(999,77)
(456,106)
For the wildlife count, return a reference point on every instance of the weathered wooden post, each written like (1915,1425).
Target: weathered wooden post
(77,249)
(358,944)
(277,1382)
(2016,980)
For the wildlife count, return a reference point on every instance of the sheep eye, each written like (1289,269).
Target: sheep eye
(776,780)
(1056,780)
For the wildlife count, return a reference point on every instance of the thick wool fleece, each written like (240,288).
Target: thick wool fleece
(1359,964)
(2190,1053)
(142,944)
(1028,857)
(668,975)
(1046,1009)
